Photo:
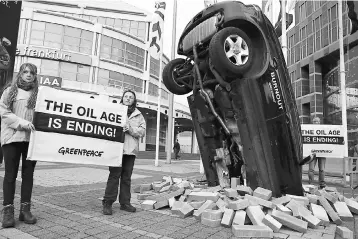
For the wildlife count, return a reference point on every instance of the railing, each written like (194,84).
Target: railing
(350,172)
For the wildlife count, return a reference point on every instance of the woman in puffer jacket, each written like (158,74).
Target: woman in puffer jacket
(134,130)
(17,106)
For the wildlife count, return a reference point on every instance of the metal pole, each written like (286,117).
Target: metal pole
(342,77)
(171,96)
(284,36)
(158,112)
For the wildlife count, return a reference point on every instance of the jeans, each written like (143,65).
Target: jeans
(321,168)
(12,154)
(125,173)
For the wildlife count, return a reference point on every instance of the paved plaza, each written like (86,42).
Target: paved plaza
(66,200)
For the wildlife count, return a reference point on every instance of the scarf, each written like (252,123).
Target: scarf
(24,85)
(130,110)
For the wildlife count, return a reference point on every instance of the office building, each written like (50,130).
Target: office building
(98,50)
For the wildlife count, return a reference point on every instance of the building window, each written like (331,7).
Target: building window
(302,11)
(49,67)
(62,37)
(317,33)
(78,40)
(74,72)
(292,76)
(154,66)
(291,50)
(65,70)
(119,80)
(303,38)
(153,89)
(20,37)
(132,27)
(316,5)
(122,52)
(165,94)
(333,24)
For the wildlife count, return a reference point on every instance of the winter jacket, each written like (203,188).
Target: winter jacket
(13,122)
(136,131)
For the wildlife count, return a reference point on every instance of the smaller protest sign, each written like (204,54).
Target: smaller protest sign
(324,140)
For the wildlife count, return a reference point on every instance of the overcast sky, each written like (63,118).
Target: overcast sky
(187,9)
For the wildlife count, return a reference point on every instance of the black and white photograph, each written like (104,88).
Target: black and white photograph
(179,119)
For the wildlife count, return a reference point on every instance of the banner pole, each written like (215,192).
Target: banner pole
(171,95)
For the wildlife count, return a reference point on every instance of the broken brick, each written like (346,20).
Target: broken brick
(255,214)
(319,212)
(259,201)
(352,205)
(290,221)
(344,232)
(262,193)
(185,211)
(212,214)
(252,231)
(307,216)
(207,205)
(203,196)
(272,223)
(301,199)
(281,200)
(283,209)
(343,211)
(239,204)
(243,190)
(148,204)
(332,214)
(228,217)
(239,218)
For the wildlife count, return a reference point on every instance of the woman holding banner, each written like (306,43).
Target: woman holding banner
(17,106)
(134,130)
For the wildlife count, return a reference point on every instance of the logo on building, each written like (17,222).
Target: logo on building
(49,80)
(43,53)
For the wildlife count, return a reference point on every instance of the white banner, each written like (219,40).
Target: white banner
(73,128)
(324,140)
(156,30)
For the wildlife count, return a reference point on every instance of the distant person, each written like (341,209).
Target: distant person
(134,130)
(176,149)
(321,164)
(17,106)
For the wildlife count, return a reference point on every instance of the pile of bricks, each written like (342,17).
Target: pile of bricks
(254,214)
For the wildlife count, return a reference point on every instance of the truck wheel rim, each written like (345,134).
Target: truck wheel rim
(236,50)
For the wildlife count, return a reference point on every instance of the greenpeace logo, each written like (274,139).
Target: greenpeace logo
(321,151)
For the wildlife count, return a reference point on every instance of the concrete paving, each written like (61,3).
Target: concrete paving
(66,200)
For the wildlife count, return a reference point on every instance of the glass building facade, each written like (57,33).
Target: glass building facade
(313,63)
(97,52)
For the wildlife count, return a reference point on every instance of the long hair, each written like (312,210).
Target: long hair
(132,107)
(31,103)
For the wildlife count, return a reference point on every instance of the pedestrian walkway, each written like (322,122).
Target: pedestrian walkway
(66,202)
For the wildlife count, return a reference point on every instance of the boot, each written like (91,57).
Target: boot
(107,207)
(25,213)
(128,207)
(8,219)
